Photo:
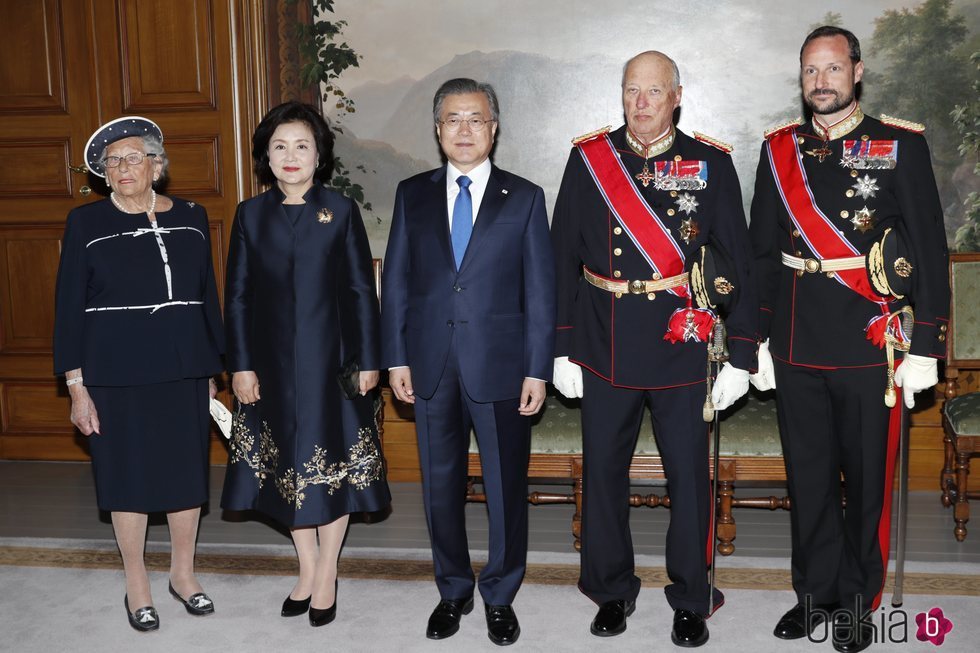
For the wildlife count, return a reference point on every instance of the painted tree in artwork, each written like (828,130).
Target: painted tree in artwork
(966,117)
(326,57)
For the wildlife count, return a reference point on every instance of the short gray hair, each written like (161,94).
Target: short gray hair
(673,67)
(151,145)
(460,86)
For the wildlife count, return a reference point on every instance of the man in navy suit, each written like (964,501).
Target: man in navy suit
(468,322)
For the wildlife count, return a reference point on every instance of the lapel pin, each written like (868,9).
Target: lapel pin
(324,216)
(504,191)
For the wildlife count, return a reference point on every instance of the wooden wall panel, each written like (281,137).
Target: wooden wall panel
(31,64)
(28,267)
(35,408)
(194,165)
(168,54)
(20,161)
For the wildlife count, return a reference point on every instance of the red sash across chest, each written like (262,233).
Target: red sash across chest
(639,220)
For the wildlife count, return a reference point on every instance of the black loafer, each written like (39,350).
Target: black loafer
(796,624)
(689,629)
(502,626)
(144,620)
(851,637)
(611,618)
(444,620)
(198,604)
(294,608)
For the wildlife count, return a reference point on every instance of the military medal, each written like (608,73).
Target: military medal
(870,155)
(645,176)
(820,153)
(680,175)
(863,220)
(687,203)
(689,230)
(324,216)
(866,186)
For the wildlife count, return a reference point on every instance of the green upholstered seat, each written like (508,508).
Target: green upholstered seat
(963,414)
(748,428)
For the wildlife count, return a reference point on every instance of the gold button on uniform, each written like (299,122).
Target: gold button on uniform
(617,273)
(800,139)
(831,275)
(942,327)
(617,252)
(850,192)
(651,296)
(844,214)
(941,337)
(673,193)
(854,173)
(618,295)
(677,157)
(656,276)
(864,137)
(671,211)
(618,230)
(796,233)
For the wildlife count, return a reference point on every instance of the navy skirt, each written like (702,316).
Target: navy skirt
(152,453)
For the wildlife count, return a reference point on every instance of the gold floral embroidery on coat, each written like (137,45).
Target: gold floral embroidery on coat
(363,466)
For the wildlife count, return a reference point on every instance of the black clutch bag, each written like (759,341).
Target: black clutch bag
(349,379)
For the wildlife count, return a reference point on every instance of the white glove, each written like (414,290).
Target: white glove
(765,378)
(568,378)
(731,384)
(915,374)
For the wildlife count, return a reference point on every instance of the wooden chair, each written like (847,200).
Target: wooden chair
(961,413)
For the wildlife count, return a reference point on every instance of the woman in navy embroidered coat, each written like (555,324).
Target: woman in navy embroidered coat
(300,303)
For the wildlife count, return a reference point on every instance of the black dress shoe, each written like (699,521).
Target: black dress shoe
(502,626)
(144,619)
(796,624)
(851,635)
(198,604)
(611,618)
(689,629)
(320,617)
(294,608)
(444,620)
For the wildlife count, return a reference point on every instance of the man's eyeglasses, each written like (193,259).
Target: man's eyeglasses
(476,124)
(133,159)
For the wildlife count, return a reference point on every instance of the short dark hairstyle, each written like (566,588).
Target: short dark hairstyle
(461,85)
(293,112)
(853,45)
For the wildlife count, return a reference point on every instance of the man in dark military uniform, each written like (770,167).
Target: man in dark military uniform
(826,192)
(634,203)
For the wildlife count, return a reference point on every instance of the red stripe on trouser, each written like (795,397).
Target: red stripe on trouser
(885,520)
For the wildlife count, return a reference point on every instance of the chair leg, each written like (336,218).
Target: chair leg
(726,520)
(947,478)
(961,509)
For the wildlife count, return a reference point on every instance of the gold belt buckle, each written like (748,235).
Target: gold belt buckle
(638,287)
(811,265)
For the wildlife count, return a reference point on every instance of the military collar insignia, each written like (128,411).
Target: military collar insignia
(839,128)
(659,146)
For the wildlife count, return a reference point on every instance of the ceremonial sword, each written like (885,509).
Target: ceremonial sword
(907,320)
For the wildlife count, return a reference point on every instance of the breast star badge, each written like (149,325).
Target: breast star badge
(687,203)
(689,230)
(863,219)
(324,216)
(866,186)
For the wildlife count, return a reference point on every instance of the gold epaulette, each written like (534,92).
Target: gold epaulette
(714,142)
(782,127)
(907,125)
(588,137)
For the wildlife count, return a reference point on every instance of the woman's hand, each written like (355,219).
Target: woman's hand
(212,389)
(367,380)
(83,413)
(245,385)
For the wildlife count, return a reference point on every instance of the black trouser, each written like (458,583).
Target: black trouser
(611,420)
(833,422)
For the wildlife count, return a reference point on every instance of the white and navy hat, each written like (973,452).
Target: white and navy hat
(113,131)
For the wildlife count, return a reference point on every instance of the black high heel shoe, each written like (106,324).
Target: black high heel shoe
(198,604)
(293,608)
(144,620)
(320,617)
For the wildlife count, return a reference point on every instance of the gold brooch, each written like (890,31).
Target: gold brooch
(324,216)
(723,286)
(902,267)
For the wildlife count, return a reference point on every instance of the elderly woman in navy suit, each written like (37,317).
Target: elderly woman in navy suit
(300,305)
(137,314)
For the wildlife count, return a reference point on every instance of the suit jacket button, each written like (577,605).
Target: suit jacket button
(449,323)
(457,288)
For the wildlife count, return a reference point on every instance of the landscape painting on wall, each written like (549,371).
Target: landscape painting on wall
(556,66)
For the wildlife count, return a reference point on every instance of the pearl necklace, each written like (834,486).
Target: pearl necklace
(153,203)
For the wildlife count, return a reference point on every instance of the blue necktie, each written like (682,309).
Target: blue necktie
(462,218)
